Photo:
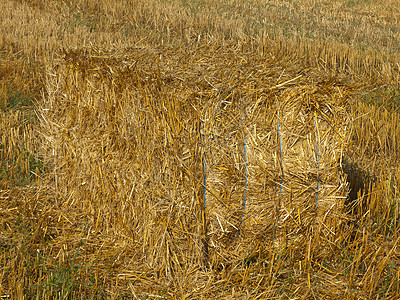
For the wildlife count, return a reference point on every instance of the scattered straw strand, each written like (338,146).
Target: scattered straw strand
(316,136)
(282,175)
(245,186)
(205,175)
(205,238)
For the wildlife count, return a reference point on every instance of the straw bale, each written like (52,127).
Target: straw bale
(151,145)
(283,184)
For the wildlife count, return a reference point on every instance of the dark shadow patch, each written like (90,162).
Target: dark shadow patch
(359,180)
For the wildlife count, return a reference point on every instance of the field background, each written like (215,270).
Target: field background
(96,124)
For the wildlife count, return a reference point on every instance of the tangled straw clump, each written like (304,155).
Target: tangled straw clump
(150,144)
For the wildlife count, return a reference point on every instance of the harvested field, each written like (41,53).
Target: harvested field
(164,152)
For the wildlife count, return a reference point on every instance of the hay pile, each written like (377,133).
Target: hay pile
(197,156)
(294,139)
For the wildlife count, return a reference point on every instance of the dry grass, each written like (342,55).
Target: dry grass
(176,149)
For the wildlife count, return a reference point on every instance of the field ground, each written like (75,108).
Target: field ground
(132,133)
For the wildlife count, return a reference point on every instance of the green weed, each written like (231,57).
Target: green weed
(17,99)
